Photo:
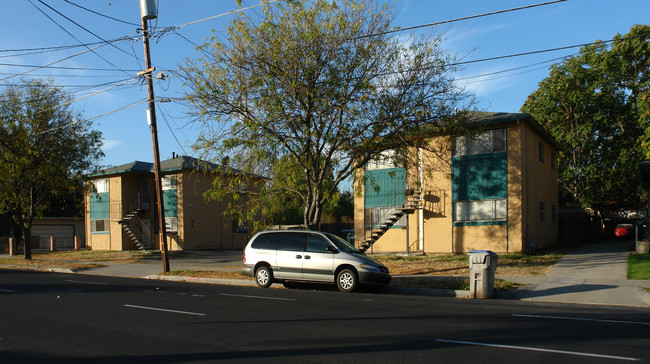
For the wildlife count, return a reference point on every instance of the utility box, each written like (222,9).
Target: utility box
(482,271)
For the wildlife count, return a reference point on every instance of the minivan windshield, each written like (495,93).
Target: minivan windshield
(342,244)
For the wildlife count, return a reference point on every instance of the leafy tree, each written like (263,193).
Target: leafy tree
(45,148)
(593,104)
(321,83)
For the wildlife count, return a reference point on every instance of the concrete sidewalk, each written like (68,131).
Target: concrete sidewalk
(592,274)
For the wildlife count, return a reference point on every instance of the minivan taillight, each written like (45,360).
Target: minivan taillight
(244,257)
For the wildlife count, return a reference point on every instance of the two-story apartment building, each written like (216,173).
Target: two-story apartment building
(496,189)
(121,211)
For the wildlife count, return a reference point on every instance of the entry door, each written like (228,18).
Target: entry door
(318,262)
(289,256)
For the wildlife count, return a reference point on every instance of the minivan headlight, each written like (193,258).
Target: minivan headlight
(368,267)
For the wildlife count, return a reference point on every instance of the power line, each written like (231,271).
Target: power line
(84,28)
(459,19)
(70,34)
(49,65)
(56,48)
(171,131)
(224,14)
(60,127)
(100,14)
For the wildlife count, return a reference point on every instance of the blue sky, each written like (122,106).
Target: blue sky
(126,133)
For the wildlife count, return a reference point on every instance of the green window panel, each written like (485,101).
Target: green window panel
(480,177)
(99,206)
(384,187)
(170,203)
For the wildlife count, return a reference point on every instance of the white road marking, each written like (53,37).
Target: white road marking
(87,282)
(577,353)
(260,297)
(165,310)
(584,319)
(7,290)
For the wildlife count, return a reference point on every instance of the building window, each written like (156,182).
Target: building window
(541,152)
(554,213)
(99,226)
(491,141)
(553,161)
(101,185)
(542,211)
(239,226)
(480,210)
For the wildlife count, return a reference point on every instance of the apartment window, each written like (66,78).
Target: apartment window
(480,210)
(99,226)
(553,161)
(554,213)
(101,185)
(239,226)
(491,141)
(541,152)
(542,211)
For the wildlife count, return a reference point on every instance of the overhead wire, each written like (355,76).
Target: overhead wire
(84,28)
(35,68)
(163,112)
(100,14)
(61,127)
(459,19)
(72,35)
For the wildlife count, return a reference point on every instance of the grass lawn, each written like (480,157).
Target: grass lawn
(127,256)
(208,274)
(638,266)
(458,264)
(19,261)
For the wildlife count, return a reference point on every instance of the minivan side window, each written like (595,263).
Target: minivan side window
(265,241)
(291,241)
(317,244)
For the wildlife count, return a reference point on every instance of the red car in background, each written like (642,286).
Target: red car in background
(624,231)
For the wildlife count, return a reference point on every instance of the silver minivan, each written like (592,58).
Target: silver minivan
(290,256)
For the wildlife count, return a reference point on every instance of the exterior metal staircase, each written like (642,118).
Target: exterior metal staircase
(135,228)
(412,202)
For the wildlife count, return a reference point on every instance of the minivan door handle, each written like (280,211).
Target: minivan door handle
(307,257)
(298,256)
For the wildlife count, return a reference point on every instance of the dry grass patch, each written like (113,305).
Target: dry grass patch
(458,264)
(128,256)
(44,263)
(208,274)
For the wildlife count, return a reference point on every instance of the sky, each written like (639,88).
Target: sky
(111,94)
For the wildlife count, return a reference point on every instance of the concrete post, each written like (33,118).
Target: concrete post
(12,247)
(52,243)
(77,242)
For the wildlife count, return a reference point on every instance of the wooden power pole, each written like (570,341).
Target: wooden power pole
(148,11)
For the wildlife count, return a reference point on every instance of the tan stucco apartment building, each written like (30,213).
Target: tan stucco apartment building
(494,190)
(121,213)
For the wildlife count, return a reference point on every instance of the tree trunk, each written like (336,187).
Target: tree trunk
(27,242)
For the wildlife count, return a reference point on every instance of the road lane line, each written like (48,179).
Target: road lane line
(583,319)
(165,310)
(577,353)
(87,282)
(260,297)
(7,290)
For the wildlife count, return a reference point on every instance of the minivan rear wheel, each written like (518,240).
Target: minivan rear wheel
(263,277)
(346,280)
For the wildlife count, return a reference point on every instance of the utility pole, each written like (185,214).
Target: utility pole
(148,11)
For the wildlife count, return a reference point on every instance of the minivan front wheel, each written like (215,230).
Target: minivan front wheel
(346,280)
(263,277)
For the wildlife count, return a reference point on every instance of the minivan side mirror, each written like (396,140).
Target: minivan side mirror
(331,249)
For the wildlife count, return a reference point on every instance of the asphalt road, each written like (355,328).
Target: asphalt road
(48,317)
